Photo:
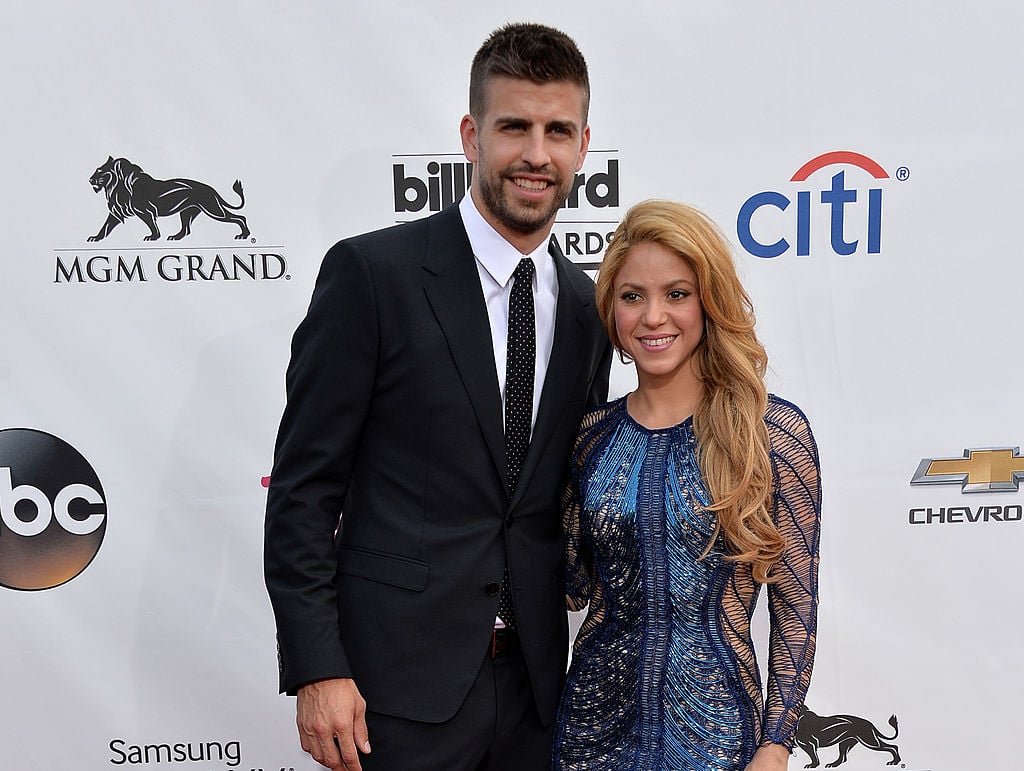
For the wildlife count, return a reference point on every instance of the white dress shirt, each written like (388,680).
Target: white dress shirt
(496,261)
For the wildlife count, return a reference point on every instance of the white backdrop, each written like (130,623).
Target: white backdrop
(171,387)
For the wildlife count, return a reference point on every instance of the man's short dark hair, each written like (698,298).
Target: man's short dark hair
(527,52)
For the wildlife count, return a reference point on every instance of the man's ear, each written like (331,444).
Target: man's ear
(467,129)
(583,147)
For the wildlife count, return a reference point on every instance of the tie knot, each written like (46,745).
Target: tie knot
(524,270)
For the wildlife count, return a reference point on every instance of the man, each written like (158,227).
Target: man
(421,456)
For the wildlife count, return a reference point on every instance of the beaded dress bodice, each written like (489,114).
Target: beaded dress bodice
(664,675)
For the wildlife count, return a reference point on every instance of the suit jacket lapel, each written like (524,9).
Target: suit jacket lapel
(567,356)
(452,286)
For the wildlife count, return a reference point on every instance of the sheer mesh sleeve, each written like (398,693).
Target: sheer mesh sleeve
(578,557)
(793,598)
(577,566)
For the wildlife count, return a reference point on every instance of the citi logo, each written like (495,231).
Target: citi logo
(433,183)
(53,512)
(851,214)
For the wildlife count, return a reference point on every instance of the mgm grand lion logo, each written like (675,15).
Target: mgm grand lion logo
(845,732)
(131,192)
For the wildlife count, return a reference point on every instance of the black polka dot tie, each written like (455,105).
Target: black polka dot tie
(519,362)
(506,611)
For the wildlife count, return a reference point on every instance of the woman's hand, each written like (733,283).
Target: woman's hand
(771,757)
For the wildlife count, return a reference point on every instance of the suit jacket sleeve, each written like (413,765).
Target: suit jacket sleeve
(329,384)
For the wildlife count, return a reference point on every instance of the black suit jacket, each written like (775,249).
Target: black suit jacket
(394,424)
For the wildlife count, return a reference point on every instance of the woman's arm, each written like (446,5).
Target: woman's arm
(793,597)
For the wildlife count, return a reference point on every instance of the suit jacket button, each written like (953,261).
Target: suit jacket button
(492,589)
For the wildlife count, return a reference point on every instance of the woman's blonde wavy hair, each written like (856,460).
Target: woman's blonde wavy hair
(729,420)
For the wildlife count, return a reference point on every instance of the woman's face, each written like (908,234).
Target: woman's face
(658,314)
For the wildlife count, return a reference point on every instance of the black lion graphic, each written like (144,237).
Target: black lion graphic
(132,192)
(847,731)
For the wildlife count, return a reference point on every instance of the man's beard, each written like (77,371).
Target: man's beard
(520,217)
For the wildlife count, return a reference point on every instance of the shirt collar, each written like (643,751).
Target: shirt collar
(498,257)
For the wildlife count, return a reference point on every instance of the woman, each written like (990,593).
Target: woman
(685,497)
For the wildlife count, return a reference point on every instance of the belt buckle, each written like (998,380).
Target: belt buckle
(502,641)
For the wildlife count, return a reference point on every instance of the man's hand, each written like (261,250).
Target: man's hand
(331,715)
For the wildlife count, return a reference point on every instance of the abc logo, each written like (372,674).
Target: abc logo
(53,514)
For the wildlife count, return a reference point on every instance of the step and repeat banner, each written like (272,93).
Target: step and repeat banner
(862,158)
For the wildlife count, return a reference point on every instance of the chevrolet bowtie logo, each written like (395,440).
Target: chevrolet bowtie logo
(990,470)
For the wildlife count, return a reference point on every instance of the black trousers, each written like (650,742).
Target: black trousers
(497,728)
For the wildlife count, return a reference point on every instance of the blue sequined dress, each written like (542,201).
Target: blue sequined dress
(663,674)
